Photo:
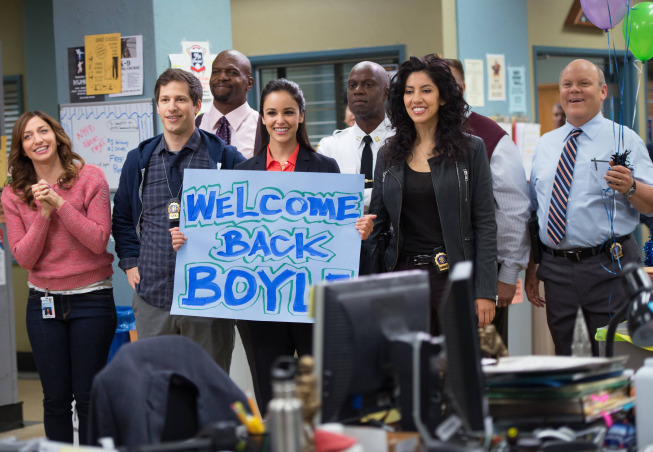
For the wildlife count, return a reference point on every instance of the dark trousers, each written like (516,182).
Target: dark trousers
(69,350)
(266,341)
(593,284)
(438,283)
(215,336)
(500,320)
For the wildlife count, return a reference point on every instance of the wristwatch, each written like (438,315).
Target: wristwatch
(631,190)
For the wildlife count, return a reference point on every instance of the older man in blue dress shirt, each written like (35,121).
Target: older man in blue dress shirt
(587,207)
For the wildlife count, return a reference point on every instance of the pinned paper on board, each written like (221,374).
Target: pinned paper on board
(103,72)
(474,84)
(517,89)
(496,76)
(131,63)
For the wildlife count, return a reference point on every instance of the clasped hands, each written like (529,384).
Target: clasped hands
(47,197)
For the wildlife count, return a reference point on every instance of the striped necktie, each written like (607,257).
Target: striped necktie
(557,223)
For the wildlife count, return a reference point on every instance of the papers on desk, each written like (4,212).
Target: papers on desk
(551,370)
(556,390)
(542,364)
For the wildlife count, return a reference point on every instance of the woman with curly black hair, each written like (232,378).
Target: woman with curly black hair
(432,184)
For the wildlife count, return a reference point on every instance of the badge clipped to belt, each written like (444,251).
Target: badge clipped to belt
(441,261)
(47,307)
(617,250)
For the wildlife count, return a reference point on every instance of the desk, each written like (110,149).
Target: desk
(624,346)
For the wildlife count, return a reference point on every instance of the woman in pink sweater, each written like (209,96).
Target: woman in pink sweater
(58,221)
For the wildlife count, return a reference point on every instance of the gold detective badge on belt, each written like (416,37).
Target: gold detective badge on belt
(441,261)
(617,250)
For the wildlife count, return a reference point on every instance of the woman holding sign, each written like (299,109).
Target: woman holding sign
(432,184)
(284,147)
(58,218)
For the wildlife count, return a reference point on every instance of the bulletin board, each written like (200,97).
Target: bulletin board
(104,132)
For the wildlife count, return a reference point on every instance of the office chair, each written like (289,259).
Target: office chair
(160,389)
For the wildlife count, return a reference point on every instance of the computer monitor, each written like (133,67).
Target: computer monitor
(372,351)
(464,379)
(355,322)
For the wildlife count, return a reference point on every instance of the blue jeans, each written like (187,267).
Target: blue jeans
(69,350)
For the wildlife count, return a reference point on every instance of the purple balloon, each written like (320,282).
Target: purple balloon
(605,14)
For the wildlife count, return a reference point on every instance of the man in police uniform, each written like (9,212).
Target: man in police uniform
(587,207)
(356,147)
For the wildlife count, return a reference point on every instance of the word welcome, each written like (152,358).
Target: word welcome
(207,206)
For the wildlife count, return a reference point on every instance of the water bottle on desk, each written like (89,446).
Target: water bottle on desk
(644,404)
(285,410)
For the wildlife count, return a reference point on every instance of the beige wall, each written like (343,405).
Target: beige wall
(261,28)
(11,26)
(546,28)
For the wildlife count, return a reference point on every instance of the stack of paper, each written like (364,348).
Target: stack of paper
(556,390)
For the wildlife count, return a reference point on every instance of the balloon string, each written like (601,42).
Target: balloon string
(639,81)
(613,54)
(609,208)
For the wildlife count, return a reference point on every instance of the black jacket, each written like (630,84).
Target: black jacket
(129,398)
(307,162)
(466,207)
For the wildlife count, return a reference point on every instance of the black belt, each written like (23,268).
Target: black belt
(438,258)
(577,254)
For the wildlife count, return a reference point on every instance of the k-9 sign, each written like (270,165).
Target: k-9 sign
(258,240)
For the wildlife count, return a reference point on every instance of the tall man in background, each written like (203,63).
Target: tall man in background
(147,203)
(510,201)
(355,148)
(230,117)
(587,208)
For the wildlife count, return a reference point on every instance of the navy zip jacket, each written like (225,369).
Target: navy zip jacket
(127,208)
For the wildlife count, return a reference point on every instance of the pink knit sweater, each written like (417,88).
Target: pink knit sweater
(67,250)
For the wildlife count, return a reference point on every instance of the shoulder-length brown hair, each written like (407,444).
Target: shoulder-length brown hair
(23,175)
(296,93)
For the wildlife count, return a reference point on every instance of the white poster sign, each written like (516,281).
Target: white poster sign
(517,89)
(474,84)
(131,50)
(195,58)
(526,136)
(496,76)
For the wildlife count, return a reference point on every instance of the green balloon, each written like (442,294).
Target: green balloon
(640,23)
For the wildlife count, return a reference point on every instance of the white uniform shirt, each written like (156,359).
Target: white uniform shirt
(346,147)
(242,125)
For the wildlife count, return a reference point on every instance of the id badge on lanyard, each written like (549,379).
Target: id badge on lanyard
(47,306)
